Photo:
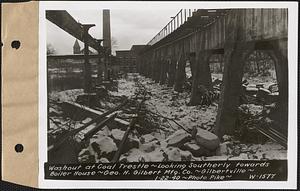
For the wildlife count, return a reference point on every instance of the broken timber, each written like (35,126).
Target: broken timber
(130,127)
(66,22)
(95,120)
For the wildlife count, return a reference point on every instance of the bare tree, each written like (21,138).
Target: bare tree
(114,44)
(50,49)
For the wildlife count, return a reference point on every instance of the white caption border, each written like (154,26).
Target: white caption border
(293,68)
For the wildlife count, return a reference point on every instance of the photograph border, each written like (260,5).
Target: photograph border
(292,112)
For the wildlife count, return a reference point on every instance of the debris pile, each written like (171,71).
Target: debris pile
(156,124)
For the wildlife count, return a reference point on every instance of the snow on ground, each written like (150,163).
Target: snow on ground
(66,95)
(126,87)
(169,103)
(166,102)
(266,80)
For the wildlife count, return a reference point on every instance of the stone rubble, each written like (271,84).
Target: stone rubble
(175,144)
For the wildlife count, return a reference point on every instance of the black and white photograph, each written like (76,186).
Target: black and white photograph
(198,94)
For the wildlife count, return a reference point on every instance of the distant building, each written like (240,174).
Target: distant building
(127,59)
(76,47)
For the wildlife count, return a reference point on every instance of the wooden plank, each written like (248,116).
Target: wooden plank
(269,24)
(274,23)
(65,21)
(94,112)
(72,56)
(285,21)
(249,23)
(261,23)
(214,34)
(219,33)
(222,31)
(257,15)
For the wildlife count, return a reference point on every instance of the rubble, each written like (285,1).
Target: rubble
(195,149)
(103,146)
(207,139)
(178,138)
(165,125)
(117,135)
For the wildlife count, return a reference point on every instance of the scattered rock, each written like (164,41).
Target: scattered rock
(105,132)
(103,147)
(244,156)
(207,139)
(178,138)
(103,160)
(149,147)
(186,155)
(195,149)
(222,149)
(117,135)
(173,154)
(147,138)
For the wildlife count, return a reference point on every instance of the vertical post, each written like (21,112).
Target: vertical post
(106,40)
(99,75)
(234,53)
(106,30)
(201,74)
(153,65)
(177,20)
(163,70)
(172,68)
(279,55)
(87,65)
(180,71)
(192,58)
(181,16)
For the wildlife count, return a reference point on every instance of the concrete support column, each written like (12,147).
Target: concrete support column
(192,59)
(180,72)
(148,66)
(231,88)
(172,71)
(198,77)
(279,55)
(153,64)
(235,51)
(163,71)
(87,65)
(157,69)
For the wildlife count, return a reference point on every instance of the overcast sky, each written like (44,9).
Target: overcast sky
(128,27)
